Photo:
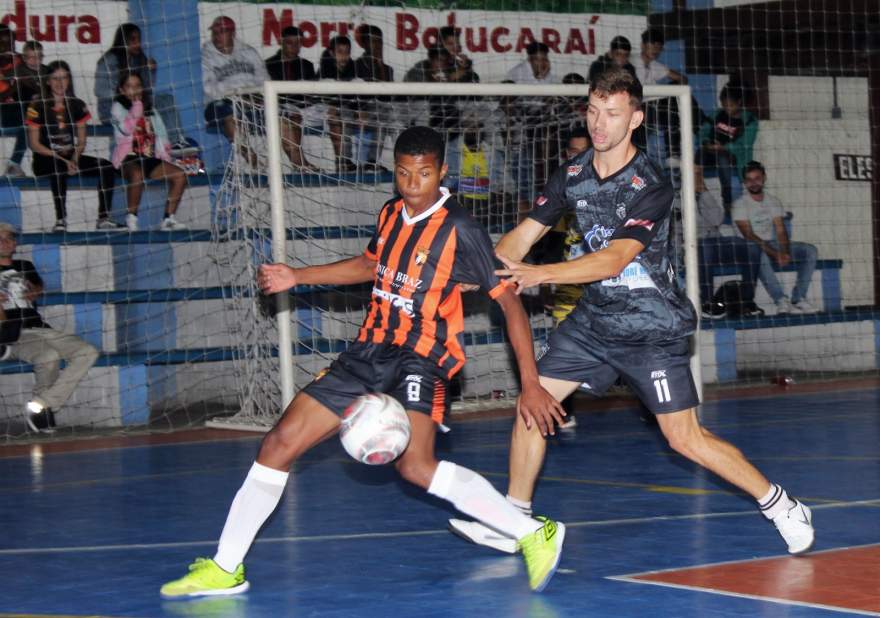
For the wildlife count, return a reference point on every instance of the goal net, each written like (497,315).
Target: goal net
(307,198)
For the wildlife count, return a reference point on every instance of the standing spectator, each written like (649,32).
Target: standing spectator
(761,220)
(227,65)
(536,68)
(56,126)
(35,341)
(726,142)
(336,63)
(127,54)
(142,150)
(10,107)
(374,112)
(616,56)
(287,65)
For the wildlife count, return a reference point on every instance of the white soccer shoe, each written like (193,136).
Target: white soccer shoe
(475,532)
(796,527)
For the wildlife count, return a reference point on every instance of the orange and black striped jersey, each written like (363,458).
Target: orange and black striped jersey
(420,262)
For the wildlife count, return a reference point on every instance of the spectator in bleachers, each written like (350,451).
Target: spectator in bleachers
(56,126)
(616,56)
(35,342)
(713,249)
(288,65)
(142,150)
(127,54)
(227,65)
(336,64)
(374,113)
(10,106)
(648,69)
(761,220)
(472,171)
(726,142)
(536,68)
(459,68)
(442,112)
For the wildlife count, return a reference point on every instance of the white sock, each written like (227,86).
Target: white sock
(776,501)
(525,506)
(473,495)
(254,502)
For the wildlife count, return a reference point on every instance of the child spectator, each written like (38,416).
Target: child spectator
(56,126)
(127,54)
(142,150)
(336,63)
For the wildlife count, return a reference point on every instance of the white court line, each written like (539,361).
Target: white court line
(382,535)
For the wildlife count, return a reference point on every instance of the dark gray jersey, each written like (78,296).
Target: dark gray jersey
(645,302)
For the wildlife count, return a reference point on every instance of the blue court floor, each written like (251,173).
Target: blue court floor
(96,532)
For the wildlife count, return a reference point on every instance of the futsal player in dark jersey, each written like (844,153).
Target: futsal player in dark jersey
(410,346)
(632,321)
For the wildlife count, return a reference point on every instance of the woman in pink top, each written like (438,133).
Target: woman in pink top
(141,150)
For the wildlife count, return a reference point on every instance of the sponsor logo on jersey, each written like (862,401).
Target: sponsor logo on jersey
(540,201)
(574,170)
(581,203)
(404,304)
(381,241)
(413,377)
(597,238)
(638,183)
(621,211)
(639,223)
(633,277)
(421,256)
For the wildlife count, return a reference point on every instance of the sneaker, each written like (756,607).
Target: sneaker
(5,352)
(108,225)
(205,578)
(542,550)
(131,222)
(38,418)
(804,306)
(783,306)
(712,311)
(796,527)
(14,170)
(60,226)
(169,224)
(184,148)
(479,534)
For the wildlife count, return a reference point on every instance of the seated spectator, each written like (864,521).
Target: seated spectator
(713,249)
(761,220)
(35,342)
(227,65)
(459,68)
(288,65)
(56,126)
(648,69)
(616,56)
(142,150)
(336,63)
(726,142)
(127,54)
(10,106)
(374,113)
(472,172)
(536,68)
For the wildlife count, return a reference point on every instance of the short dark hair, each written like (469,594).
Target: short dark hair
(537,47)
(577,131)
(616,80)
(754,166)
(447,31)
(32,46)
(339,41)
(620,42)
(437,51)
(290,31)
(732,92)
(653,35)
(420,141)
(574,78)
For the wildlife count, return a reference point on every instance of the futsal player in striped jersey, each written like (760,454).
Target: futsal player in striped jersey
(410,345)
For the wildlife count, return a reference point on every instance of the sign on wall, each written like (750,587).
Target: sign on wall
(853,167)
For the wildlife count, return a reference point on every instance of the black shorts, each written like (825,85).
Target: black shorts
(413,380)
(147,164)
(660,374)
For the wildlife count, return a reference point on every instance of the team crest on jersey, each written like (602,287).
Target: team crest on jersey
(581,203)
(621,211)
(638,183)
(381,241)
(421,256)
(540,201)
(574,170)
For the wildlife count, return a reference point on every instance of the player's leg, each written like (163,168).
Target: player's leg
(305,423)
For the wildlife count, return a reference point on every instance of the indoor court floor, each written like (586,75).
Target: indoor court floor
(93,528)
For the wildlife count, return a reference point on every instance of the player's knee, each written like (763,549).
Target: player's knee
(416,470)
(281,444)
(682,440)
(87,354)
(47,358)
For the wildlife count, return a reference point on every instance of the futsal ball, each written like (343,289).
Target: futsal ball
(375,429)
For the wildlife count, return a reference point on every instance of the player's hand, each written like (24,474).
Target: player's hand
(522,274)
(274,278)
(536,405)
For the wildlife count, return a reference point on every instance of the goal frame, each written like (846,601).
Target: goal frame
(272,90)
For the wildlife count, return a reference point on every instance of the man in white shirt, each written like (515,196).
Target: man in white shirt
(535,69)
(226,66)
(648,69)
(761,220)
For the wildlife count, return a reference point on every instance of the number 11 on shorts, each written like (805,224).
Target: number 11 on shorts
(662,388)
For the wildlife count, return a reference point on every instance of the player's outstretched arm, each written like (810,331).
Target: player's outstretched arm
(274,278)
(535,404)
(516,243)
